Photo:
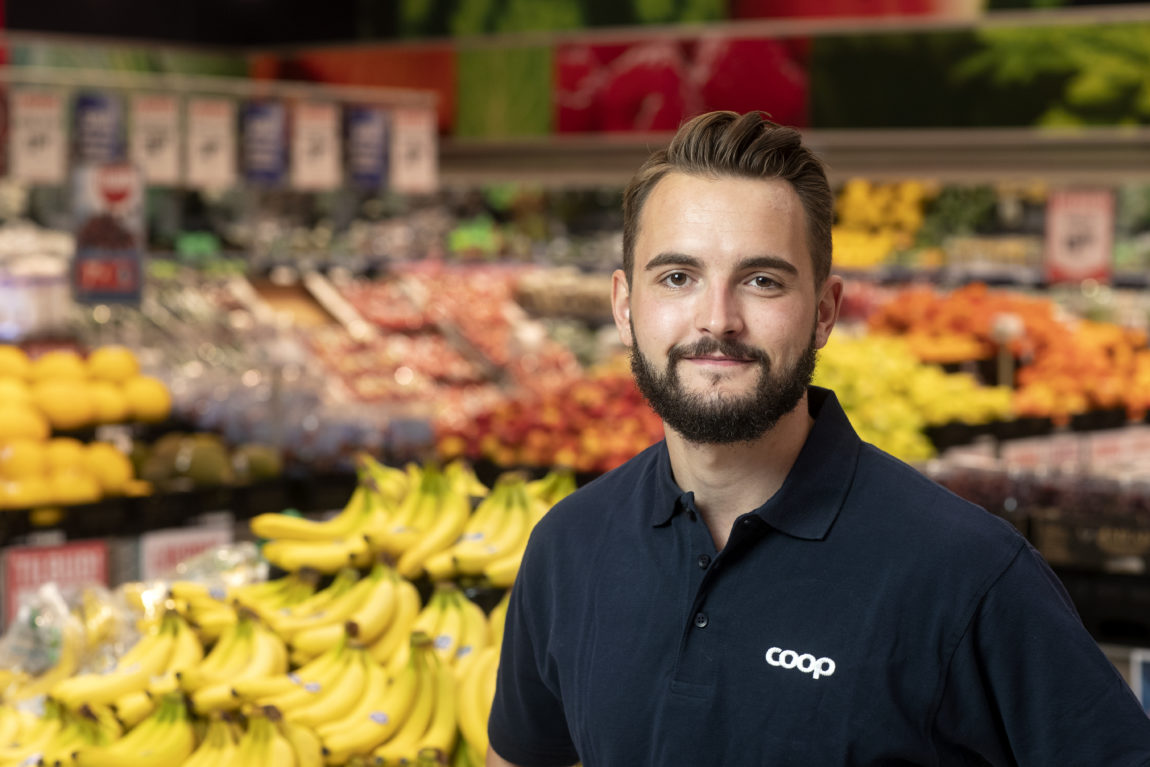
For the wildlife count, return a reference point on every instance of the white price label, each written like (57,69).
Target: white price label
(155,138)
(162,550)
(1079,235)
(315,146)
(38,146)
(414,151)
(210,150)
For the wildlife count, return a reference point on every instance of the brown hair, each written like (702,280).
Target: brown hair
(718,144)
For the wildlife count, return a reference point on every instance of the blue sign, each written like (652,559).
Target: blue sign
(367,144)
(265,147)
(99,128)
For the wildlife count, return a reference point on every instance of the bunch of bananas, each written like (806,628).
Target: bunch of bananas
(166,736)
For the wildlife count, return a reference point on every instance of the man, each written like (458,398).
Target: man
(761,588)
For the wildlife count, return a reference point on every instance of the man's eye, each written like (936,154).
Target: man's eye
(676,279)
(762,281)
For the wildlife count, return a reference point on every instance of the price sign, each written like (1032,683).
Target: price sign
(315,146)
(1079,235)
(414,157)
(99,128)
(106,267)
(155,138)
(210,150)
(38,146)
(26,568)
(265,142)
(162,550)
(367,145)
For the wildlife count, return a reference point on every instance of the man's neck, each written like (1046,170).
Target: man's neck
(731,480)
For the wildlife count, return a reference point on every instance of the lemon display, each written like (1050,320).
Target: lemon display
(14,362)
(26,493)
(58,364)
(20,458)
(63,453)
(148,398)
(65,403)
(109,405)
(115,364)
(13,389)
(69,488)
(22,421)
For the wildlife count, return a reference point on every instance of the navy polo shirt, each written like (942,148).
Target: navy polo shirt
(861,616)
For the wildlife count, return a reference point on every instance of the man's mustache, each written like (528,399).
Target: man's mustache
(706,347)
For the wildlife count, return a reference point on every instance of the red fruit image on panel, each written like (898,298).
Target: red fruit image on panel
(746,74)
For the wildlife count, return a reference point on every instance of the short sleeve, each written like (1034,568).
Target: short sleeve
(1028,685)
(528,725)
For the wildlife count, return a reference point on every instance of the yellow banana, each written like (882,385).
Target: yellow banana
(390,482)
(187,650)
(343,580)
(265,689)
(392,707)
(474,635)
(126,676)
(217,747)
(462,477)
(472,707)
(316,682)
(439,738)
(304,742)
(449,626)
(67,661)
(398,633)
(10,724)
(226,660)
(452,510)
(414,515)
(169,741)
(375,687)
(287,527)
(134,707)
(404,744)
(255,747)
(280,750)
(327,556)
(371,616)
(501,572)
(268,658)
(339,698)
(509,527)
(336,612)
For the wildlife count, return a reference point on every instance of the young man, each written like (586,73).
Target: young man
(761,588)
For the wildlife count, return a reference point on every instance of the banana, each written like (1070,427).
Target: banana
(462,477)
(326,556)
(553,487)
(166,737)
(398,633)
(474,635)
(439,738)
(226,660)
(336,612)
(375,687)
(133,707)
(371,616)
(255,746)
(274,526)
(10,724)
(187,650)
(67,661)
(217,747)
(509,525)
(131,673)
(452,509)
(392,706)
(449,626)
(343,580)
(497,618)
(404,744)
(324,672)
(305,744)
(291,590)
(268,658)
(339,697)
(259,688)
(501,572)
(473,708)
(281,751)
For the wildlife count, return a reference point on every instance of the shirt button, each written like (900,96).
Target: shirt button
(704,561)
(700,620)
(748,521)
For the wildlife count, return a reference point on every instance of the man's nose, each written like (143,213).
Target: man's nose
(719,312)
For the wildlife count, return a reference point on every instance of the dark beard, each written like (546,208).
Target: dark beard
(725,420)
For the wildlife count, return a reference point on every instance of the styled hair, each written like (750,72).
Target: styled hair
(727,144)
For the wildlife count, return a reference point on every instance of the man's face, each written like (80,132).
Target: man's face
(721,315)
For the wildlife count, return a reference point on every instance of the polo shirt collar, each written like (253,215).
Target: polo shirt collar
(815,488)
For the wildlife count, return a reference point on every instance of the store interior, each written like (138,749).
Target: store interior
(353,277)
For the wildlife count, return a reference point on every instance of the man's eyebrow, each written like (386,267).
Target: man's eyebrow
(752,262)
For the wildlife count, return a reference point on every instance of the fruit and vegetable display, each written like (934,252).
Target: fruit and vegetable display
(365,649)
(1066,365)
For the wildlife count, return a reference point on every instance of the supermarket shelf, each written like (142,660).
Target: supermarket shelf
(1085,156)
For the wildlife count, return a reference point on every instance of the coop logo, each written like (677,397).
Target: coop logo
(806,663)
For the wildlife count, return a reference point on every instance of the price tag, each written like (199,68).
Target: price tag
(155,138)
(210,149)
(26,568)
(265,142)
(367,144)
(162,550)
(99,128)
(106,267)
(414,161)
(1079,235)
(315,149)
(38,139)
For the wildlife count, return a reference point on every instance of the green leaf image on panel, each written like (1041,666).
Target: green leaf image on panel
(503,92)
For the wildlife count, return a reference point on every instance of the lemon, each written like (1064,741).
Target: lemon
(20,458)
(148,398)
(64,403)
(14,362)
(72,487)
(22,421)
(13,389)
(111,469)
(63,453)
(26,493)
(108,402)
(58,363)
(113,363)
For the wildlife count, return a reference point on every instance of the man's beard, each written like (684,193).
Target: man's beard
(724,419)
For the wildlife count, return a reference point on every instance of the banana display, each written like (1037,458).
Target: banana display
(366,651)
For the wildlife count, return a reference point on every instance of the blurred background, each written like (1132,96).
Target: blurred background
(329,229)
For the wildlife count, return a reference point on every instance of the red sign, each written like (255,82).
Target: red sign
(26,568)
(1079,235)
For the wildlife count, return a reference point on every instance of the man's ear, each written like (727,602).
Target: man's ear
(621,306)
(830,302)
